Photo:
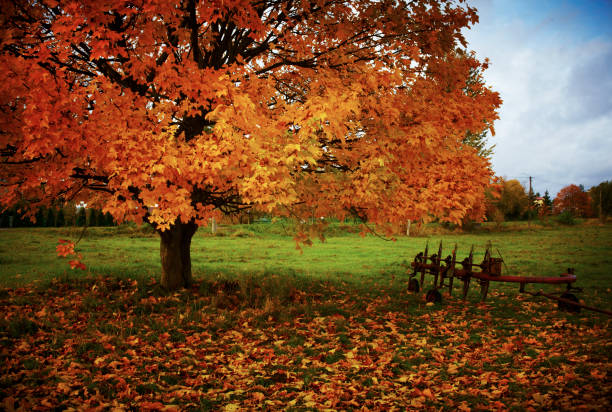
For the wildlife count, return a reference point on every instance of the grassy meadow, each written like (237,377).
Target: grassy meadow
(332,326)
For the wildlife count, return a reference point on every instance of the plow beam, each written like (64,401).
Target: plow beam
(570,302)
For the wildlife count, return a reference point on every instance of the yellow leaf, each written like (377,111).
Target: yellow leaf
(63,387)
(464,407)
(421,342)
(415,402)
(427,393)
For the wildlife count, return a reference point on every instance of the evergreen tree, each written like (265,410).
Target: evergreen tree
(50,219)
(547,200)
(60,220)
(81,217)
(70,212)
(40,217)
(19,220)
(108,220)
(92,218)
(480,142)
(601,196)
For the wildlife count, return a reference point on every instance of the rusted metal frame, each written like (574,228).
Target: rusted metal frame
(490,271)
(451,271)
(568,277)
(486,268)
(468,276)
(569,302)
(423,269)
(464,274)
(437,268)
(563,278)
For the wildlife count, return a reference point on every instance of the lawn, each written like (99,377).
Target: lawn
(267,326)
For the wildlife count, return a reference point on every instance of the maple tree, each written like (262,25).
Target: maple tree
(172,112)
(573,199)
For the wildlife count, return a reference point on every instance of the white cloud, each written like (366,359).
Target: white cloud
(556,120)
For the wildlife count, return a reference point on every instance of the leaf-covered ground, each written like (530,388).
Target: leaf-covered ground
(253,344)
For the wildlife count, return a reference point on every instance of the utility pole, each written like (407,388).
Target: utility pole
(530,203)
(601,216)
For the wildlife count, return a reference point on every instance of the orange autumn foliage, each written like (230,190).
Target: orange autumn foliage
(172,112)
(574,200)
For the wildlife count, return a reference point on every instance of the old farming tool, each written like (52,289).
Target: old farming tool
(445,270)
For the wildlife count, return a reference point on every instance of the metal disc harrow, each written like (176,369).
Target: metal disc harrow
(446,270)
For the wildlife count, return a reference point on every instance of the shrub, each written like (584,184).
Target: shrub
(566,218)
(243,233)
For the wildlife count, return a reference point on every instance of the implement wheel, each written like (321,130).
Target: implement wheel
(433,296)
(568,307)
(413,285)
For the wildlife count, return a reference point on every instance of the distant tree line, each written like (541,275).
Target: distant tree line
(58,216)
(601,199)
(510,201)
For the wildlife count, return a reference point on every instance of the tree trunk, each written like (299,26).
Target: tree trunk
(175,254)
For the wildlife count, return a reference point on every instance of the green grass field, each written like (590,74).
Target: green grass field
(261,250)
(269,327)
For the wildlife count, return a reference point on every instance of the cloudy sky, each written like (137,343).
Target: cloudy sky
(551,61)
